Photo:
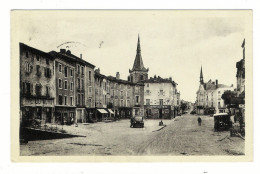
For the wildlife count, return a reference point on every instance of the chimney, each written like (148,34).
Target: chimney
(216,83)
(81,56)
(170,78)
(68,52)
(117,75)
(63,51)
(97,71)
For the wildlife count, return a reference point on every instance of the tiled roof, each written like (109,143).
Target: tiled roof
(114,79)
(72,57)
(159,80)
(37,51)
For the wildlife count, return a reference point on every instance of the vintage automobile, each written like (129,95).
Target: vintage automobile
(222,121)
(193,112)
(137,121)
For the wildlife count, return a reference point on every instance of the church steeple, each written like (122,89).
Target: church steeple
(138,64)
(138,72)
(201,76)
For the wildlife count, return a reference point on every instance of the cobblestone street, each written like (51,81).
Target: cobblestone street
(181,136)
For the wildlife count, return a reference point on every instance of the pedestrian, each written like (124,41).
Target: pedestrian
(132,121)
(199,121)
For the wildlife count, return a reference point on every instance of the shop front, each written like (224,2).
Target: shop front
(158,112)
(64,115)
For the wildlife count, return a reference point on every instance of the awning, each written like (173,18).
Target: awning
(102,111)
(109,110)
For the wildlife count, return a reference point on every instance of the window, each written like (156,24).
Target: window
(38,89)
(161,92)
(27,54)
(147,84)
(82,70)
(78,83)
(121,102)
(60,84)
(65,84)
(147,101)
(60,68)
(66,71)
(127,103)
(38,58)
(28,67)
(90,90)
(71,101)
(105,99)
(47,72)
(65,100)
(141,77)
(89,76)
(47,90)
(82,84)
(121,93)
(78,101)
(60,99)
(71,86)
(47,61)
(90,102)
(38,72)
(147,92)
(71,72)
(161,101)
(78,68)
(137,99)
(218,104)
(82,99)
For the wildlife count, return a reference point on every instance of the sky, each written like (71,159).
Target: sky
(173,43)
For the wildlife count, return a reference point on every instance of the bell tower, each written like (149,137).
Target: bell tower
(138,72)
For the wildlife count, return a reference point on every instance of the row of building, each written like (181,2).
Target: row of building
(209,95)
(59,87)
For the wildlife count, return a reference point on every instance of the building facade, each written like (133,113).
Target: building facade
(209,99)
(160,96)
(37,89)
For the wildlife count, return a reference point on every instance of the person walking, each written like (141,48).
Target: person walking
(199,121)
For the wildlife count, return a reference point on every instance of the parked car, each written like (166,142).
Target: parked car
(193,112)
(222,121)
(137,121)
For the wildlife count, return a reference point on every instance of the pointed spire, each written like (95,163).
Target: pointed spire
(138,50)
(138,64)
(201,76)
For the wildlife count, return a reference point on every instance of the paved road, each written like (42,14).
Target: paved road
(181,136)
(186,137)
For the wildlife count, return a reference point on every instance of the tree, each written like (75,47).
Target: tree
(183,106)
(227,96)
